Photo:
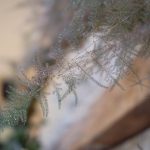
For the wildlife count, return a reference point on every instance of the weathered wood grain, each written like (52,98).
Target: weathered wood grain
(114,117)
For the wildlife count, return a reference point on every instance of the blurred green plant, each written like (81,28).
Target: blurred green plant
(14,112)
(123,24)
(20,140)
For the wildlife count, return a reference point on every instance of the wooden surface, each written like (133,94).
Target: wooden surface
(114,117)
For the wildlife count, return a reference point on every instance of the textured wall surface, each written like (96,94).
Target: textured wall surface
(13,24)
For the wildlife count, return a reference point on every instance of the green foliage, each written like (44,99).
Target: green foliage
(14,112)
(123,24)
(20,140)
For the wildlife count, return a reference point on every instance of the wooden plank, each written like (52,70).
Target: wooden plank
(119,114)
(131,124)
